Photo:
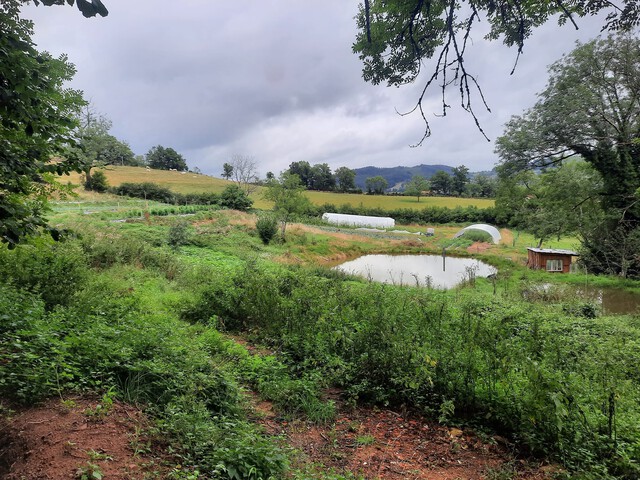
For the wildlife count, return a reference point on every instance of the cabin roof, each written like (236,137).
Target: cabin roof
(557,251)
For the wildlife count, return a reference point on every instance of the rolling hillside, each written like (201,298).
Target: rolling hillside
(191,183)
(395,175)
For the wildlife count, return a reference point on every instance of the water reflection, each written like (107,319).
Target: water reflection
(422,270)
(613,301)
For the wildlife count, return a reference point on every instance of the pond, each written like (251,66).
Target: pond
(417,270)
(612,300)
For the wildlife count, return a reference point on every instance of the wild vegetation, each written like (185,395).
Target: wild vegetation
(139,309)
(138,304)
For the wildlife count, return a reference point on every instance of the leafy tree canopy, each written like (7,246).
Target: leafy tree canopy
(376,185)
(346,179)
(459,179)
(162,158)
(303,170)
(321,178)
(416,186)
(395,37)
(287,195)
(562,200)
(95,147)
(37,117)
(88,8)
(441,182)
(227,171)
(590,109)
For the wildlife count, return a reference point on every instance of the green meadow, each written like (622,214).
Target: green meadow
(194,183)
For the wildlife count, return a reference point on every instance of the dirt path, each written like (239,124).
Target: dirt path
(66,440)
(78,437)
(384,445)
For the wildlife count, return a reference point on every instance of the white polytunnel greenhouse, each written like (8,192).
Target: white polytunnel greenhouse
(358,220)
(490,229)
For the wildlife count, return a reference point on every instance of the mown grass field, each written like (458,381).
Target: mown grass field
(192,183)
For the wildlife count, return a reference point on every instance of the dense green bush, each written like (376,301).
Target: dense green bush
(267,226)
(98,182)
(53,270)
(179,234)
(114,334)
(560,385)
(235,198)
(155,192)
(146,190)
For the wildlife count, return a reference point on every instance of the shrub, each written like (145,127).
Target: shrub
(146,190)
(267,226)
(98,182)
(179,234)
(52,270)
(235,198)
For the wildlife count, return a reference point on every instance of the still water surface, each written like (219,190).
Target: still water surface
(419,270)
(613,301)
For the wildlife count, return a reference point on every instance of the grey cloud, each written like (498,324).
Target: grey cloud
(278,81)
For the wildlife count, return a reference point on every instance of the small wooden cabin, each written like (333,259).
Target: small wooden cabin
(549,259)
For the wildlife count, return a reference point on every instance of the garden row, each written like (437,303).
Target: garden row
(233,197)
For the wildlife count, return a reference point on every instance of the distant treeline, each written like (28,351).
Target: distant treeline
(231,198)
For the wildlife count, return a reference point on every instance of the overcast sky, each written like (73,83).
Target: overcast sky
(277,80)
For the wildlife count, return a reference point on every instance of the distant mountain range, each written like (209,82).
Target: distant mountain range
(397,175)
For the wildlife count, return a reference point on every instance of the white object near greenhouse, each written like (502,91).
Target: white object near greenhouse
(358,220)
(490,229)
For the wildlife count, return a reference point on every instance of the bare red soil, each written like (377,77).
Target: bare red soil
(385,445)
(64,440)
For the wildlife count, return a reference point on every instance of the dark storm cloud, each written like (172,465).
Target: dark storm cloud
(276,79)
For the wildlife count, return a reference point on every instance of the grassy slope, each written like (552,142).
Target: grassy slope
(188,182)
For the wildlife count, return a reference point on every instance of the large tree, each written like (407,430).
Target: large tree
(346,178)
(396,37)
(96,147)
(227,171)
(321,178)
(161,158)
(590,109)
(376,185)
(244,171)
(441,182)
(303,170)
(37,116)
(417,186)
(459,179)
(482,186)
(561,200)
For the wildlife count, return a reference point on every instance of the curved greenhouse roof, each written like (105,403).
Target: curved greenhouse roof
(358,220)
(490,229)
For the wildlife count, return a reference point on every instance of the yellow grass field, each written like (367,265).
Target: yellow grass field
(190,183)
